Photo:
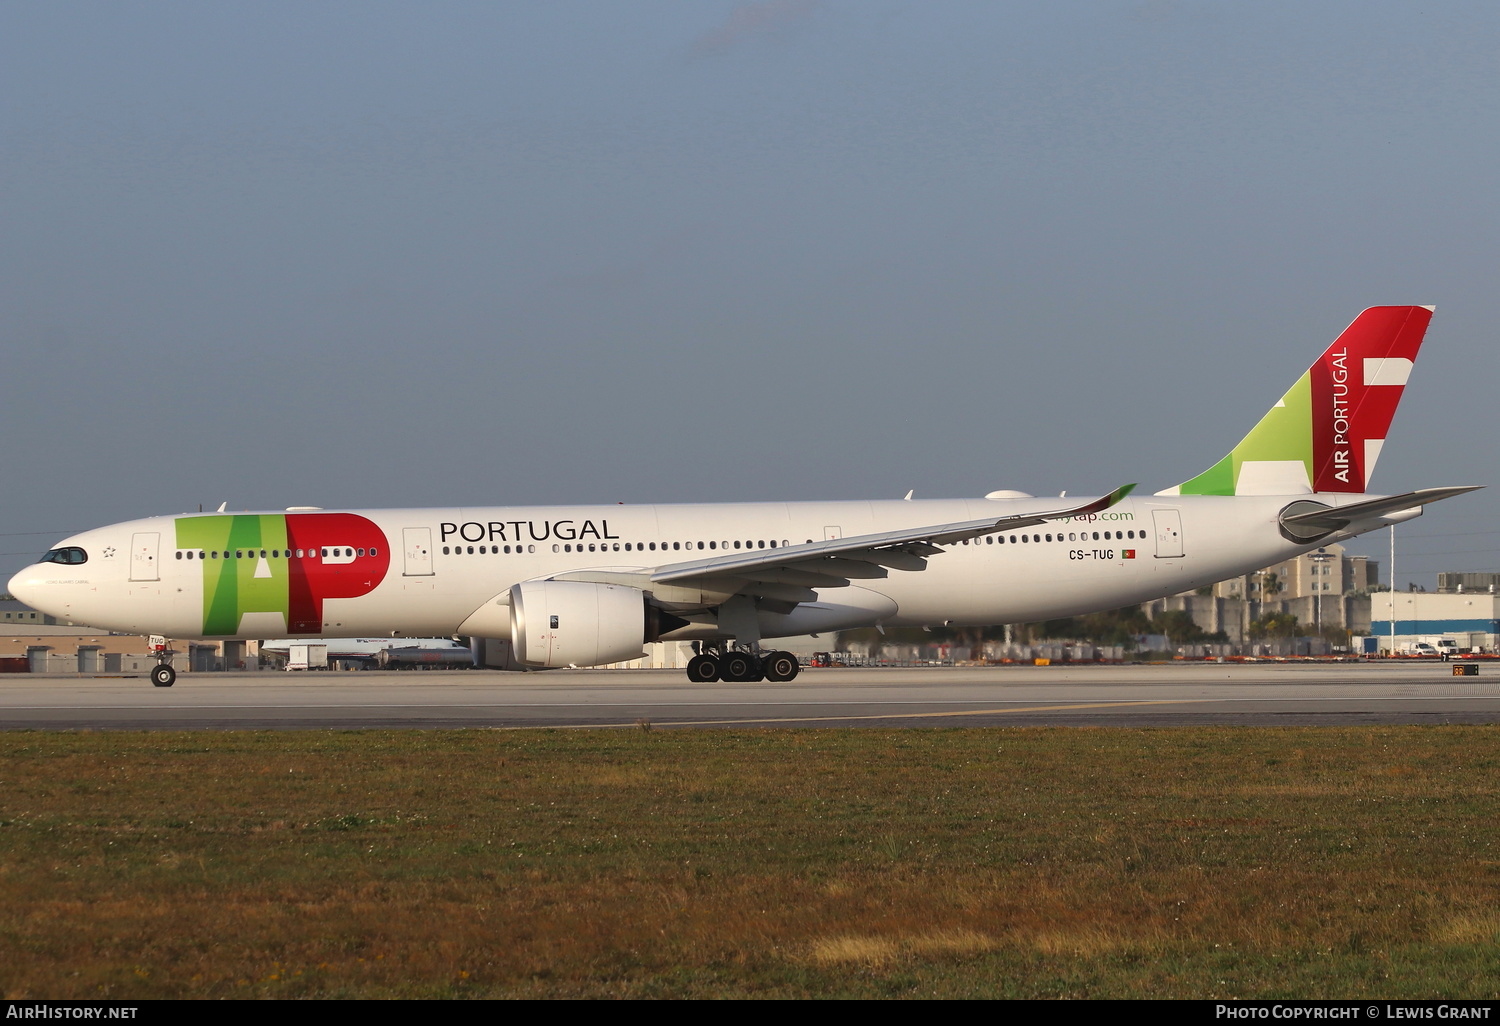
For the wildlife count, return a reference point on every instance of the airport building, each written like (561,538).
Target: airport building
(1326,587)
(34,642)
(1325,572)
(1471,619)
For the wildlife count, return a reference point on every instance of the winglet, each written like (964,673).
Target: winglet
(1103,503)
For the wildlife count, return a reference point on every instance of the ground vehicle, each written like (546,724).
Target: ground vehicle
(307,657)
(1441,645)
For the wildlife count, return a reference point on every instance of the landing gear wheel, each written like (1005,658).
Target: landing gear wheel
(703,669)
(781,666)
(740,667)
(163,676)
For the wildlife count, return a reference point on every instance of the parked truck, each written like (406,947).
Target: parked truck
(307,657)
(1431,645)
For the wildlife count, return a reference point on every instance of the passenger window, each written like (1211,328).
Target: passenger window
(554,548)
(179,555)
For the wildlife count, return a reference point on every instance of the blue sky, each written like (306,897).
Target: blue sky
(387,254)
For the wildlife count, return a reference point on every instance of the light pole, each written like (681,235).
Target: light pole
(1392,652)
(1319,559)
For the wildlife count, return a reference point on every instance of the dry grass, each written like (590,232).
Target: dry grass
(1192,862)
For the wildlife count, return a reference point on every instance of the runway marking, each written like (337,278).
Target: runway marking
(870,716)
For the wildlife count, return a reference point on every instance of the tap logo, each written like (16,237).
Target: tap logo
(287,563)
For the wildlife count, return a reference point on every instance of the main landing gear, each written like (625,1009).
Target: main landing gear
(741,667)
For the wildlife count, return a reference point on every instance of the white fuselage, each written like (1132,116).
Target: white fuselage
(425,572)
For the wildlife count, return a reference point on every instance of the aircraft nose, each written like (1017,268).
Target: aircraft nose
(22,587)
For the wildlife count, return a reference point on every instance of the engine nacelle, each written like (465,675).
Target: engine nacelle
(575,623)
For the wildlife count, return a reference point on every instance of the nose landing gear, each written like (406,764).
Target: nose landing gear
(162,675)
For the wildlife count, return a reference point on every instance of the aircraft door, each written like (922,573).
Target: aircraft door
(417,541)
(1168,524)
(143,552)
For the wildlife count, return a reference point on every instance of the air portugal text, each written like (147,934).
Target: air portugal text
(526,530)
(1340,376)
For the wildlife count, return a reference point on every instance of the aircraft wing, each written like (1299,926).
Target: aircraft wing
(835,562)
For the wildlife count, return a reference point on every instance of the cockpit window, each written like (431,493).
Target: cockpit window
(71,555)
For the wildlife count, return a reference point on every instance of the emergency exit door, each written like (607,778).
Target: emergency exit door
(417,541)
(1168,532)
(143,553)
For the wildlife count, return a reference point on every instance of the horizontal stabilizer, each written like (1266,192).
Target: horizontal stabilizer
(1336,518)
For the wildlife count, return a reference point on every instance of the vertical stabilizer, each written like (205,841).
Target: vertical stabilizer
(1325,433)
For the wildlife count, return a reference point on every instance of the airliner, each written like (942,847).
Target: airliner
(590,585)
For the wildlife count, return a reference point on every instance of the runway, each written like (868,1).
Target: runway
(1264,694)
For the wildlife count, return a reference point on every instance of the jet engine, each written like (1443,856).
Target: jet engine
(575,623)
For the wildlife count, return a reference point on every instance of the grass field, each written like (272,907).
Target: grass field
(1195,862)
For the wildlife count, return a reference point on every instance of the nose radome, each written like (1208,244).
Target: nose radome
(21,587)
